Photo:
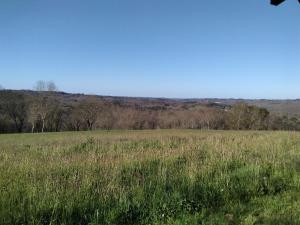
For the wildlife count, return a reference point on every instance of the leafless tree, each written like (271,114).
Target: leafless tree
(15,108)
(89,111)
(45,86)
(51,86)
(75,118)
(40,86)
(32,114)
(106,116)
(43,107)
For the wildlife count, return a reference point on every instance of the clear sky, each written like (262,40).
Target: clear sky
(155,48)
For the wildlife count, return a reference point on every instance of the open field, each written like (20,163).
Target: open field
(150,177)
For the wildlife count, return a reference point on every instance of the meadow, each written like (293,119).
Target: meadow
(150,177)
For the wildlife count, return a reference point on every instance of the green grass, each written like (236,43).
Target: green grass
(150,177)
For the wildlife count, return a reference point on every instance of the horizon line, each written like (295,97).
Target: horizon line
(149,97)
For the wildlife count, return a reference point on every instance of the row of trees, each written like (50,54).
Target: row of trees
(42,112)
(42,85)
(45,111)
(245,117)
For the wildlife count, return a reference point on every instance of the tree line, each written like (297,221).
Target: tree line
(45,112)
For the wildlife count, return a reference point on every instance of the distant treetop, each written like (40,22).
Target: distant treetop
(45,86)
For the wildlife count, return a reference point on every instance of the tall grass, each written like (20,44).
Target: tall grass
(150,177)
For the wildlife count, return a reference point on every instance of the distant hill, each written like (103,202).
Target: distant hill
(281,107)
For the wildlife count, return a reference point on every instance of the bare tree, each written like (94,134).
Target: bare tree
(106,117)
(40,85)
(75,118)
(1,87)
(55,115)
(32,114)
(43,107)
(89,110)
(15,108)
(51,86)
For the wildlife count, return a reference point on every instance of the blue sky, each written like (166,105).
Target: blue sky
(157,48)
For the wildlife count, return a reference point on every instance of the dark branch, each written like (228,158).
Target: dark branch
(276,2)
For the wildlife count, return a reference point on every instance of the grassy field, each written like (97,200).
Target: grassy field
(150,177)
